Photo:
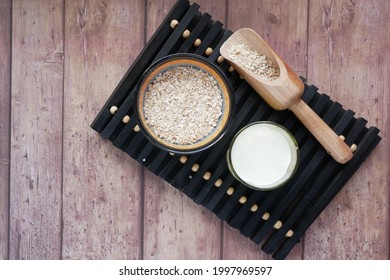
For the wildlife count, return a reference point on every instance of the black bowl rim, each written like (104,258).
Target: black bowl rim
(222,75)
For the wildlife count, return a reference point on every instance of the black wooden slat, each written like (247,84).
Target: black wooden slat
(370,140)
(203,23)
(164,171)
(159,161)
(306,150)
(342,126)
(211,36)
(242,215)
(220,196)
(214,56)
(195,158)
(170,167)
(233,205)
(314,167)
(115,124)
(125,135)
(205,196)
(208,186)
(143,156)
(319,184)
(144,147)
(191,189)
(136,144)
(258,115)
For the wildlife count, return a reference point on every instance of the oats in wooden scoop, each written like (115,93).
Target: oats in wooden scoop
(253,61)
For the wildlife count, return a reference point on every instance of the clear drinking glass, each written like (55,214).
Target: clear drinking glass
(263,155)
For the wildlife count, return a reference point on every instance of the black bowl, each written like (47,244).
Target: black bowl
(198,62)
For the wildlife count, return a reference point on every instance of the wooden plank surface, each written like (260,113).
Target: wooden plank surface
(174,226)
(73,195)
(5,95)
(102,202)
(283,24)
(36,130)
(348,59)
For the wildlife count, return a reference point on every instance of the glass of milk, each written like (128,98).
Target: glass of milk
(263,155)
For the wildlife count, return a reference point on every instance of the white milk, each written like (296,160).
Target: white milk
(264,155)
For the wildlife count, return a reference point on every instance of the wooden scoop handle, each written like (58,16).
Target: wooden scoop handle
(332,143)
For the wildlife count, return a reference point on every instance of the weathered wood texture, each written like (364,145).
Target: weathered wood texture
(5,95)
(349,58)
(73,195)
(102,186)
(36,130)
(283,24)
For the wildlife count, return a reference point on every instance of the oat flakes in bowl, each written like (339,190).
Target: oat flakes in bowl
(184,103)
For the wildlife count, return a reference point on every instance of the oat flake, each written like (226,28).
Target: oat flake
(253,61)
(183,105)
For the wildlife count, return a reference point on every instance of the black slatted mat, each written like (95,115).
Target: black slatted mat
(276,219)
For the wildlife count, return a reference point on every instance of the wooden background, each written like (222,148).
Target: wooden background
(65,193)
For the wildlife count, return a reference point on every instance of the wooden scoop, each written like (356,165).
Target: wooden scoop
(285,92)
